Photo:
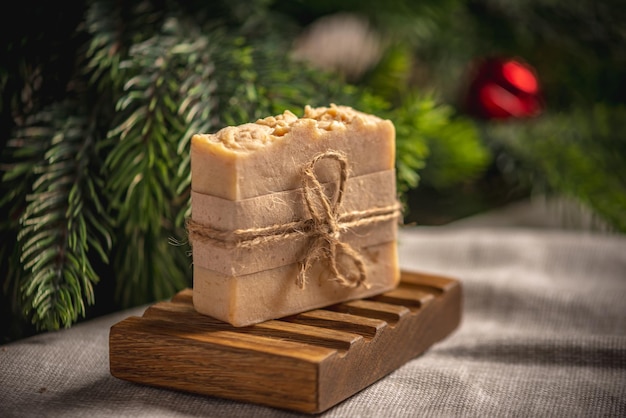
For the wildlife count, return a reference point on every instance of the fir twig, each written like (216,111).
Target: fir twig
(64,222)
(142,170)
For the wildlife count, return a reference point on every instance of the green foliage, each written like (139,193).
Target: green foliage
(433,143)
(141,167)
(97,167)
(98,104)
(575,148)
(62,220)
(581,155)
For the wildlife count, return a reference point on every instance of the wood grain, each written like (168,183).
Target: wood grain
(306,363)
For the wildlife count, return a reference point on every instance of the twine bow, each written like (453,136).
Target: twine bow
(325,228)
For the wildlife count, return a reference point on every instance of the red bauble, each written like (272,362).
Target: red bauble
(503,88)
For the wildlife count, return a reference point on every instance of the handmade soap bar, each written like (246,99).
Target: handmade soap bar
(291,214)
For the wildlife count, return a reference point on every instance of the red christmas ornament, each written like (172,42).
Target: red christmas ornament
(503,88)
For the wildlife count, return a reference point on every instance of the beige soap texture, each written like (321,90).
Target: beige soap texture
(291,214)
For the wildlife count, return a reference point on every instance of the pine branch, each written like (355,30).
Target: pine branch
(198,106)
(142,171)
(456,153)
(113,27)
(20,156)
(64,222)
(433,145)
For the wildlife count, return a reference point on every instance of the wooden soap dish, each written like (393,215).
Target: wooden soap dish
(307,362)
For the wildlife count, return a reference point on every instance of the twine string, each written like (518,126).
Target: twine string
(325,230)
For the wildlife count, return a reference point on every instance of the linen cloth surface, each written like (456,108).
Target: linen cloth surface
(543,333)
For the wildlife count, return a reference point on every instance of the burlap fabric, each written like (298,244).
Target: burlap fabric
(543,334)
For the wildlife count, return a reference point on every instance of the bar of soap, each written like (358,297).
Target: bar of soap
(247,181)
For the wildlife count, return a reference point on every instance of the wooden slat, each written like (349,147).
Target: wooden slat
(367,327)
(184,296)
(324,337)
(372,309)
(406,296)
(433,281)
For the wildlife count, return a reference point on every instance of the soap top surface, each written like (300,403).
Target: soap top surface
(250,137)
(267,156)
